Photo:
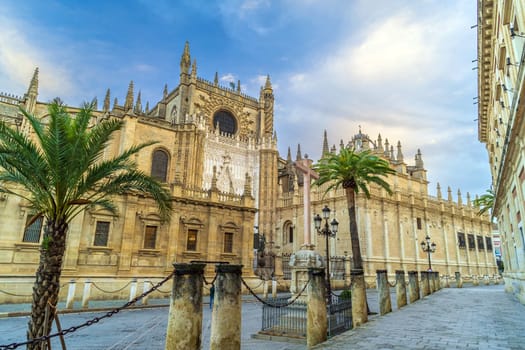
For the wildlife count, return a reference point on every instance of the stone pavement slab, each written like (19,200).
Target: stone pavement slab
(483,317)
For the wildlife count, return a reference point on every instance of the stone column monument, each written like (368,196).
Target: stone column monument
(305,258)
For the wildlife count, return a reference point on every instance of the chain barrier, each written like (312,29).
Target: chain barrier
(275,305)
(89,322)
(110,292)
(209,283)
(392,285)
(15,295)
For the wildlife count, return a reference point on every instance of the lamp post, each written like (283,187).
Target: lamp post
(327,231)
(429,248)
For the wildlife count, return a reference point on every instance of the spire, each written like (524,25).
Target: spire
(216,79)
(460,201)
(138,105)
(325,145)
(238,86)
(289,156)
(449,190)
(387,148)
(165,92)
(298,156)
(333,150)
(341,144)
(380,143)
(438,191)
(94,103)
(115,102)
(147,107)
(399,153)
(105,108)
(268,84)
(194,68)
(129,98)
(419,160)
(468,200)
(33,86)
(392,152)
(185,60)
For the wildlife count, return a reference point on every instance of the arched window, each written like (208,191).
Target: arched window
(288,229)
(159,165)
(226,121)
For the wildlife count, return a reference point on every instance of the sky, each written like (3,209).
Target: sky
(399,68)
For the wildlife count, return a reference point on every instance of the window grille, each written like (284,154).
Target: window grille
(191,244)
(101,234)
(461,240)
(471,242)
(228,242)
(32,232)
(150,237)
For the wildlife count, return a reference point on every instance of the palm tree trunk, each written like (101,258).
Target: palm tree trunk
(358,285)
(47,284)
(357,260)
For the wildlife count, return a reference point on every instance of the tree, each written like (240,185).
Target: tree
(354,171)
(60,172)
(484,202)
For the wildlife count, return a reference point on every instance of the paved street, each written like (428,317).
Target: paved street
(481,317)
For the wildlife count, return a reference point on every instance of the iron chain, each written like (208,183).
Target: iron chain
(89,322)
(275,305)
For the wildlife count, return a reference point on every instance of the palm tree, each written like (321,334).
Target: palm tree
(354,171)
(485,202)
(60,172)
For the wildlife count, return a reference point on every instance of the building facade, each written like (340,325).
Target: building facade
(391,228)
(501,125)
(217,152)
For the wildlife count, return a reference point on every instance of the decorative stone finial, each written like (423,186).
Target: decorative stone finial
(129,97)
(105,108)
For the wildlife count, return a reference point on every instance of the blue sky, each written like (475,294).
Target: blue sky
(401,68)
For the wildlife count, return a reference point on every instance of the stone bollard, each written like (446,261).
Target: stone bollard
(185,315)
(71,294)
(85,295)
(265,290)
(316,315)
(413,286)
(359,305)
(459,280)
(133,289)
(475,280)
(425,284)
(226,315)
(438,281)
(486,280)
(401,289)
(274,288)
(447,281)
(385,304)
(144,290)
(434,287)
(430,275)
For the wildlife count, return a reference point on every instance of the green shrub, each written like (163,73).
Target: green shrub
(346,294)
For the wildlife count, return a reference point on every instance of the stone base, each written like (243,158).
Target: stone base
(300,262)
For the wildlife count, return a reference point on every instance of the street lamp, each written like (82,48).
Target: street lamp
(428,248)
(327,232)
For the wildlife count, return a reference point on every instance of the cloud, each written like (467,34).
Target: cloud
(391,75)
(19,56)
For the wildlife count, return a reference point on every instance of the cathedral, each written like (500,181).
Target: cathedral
(217,152)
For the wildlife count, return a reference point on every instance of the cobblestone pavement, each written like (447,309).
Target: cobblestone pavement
(483,317)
